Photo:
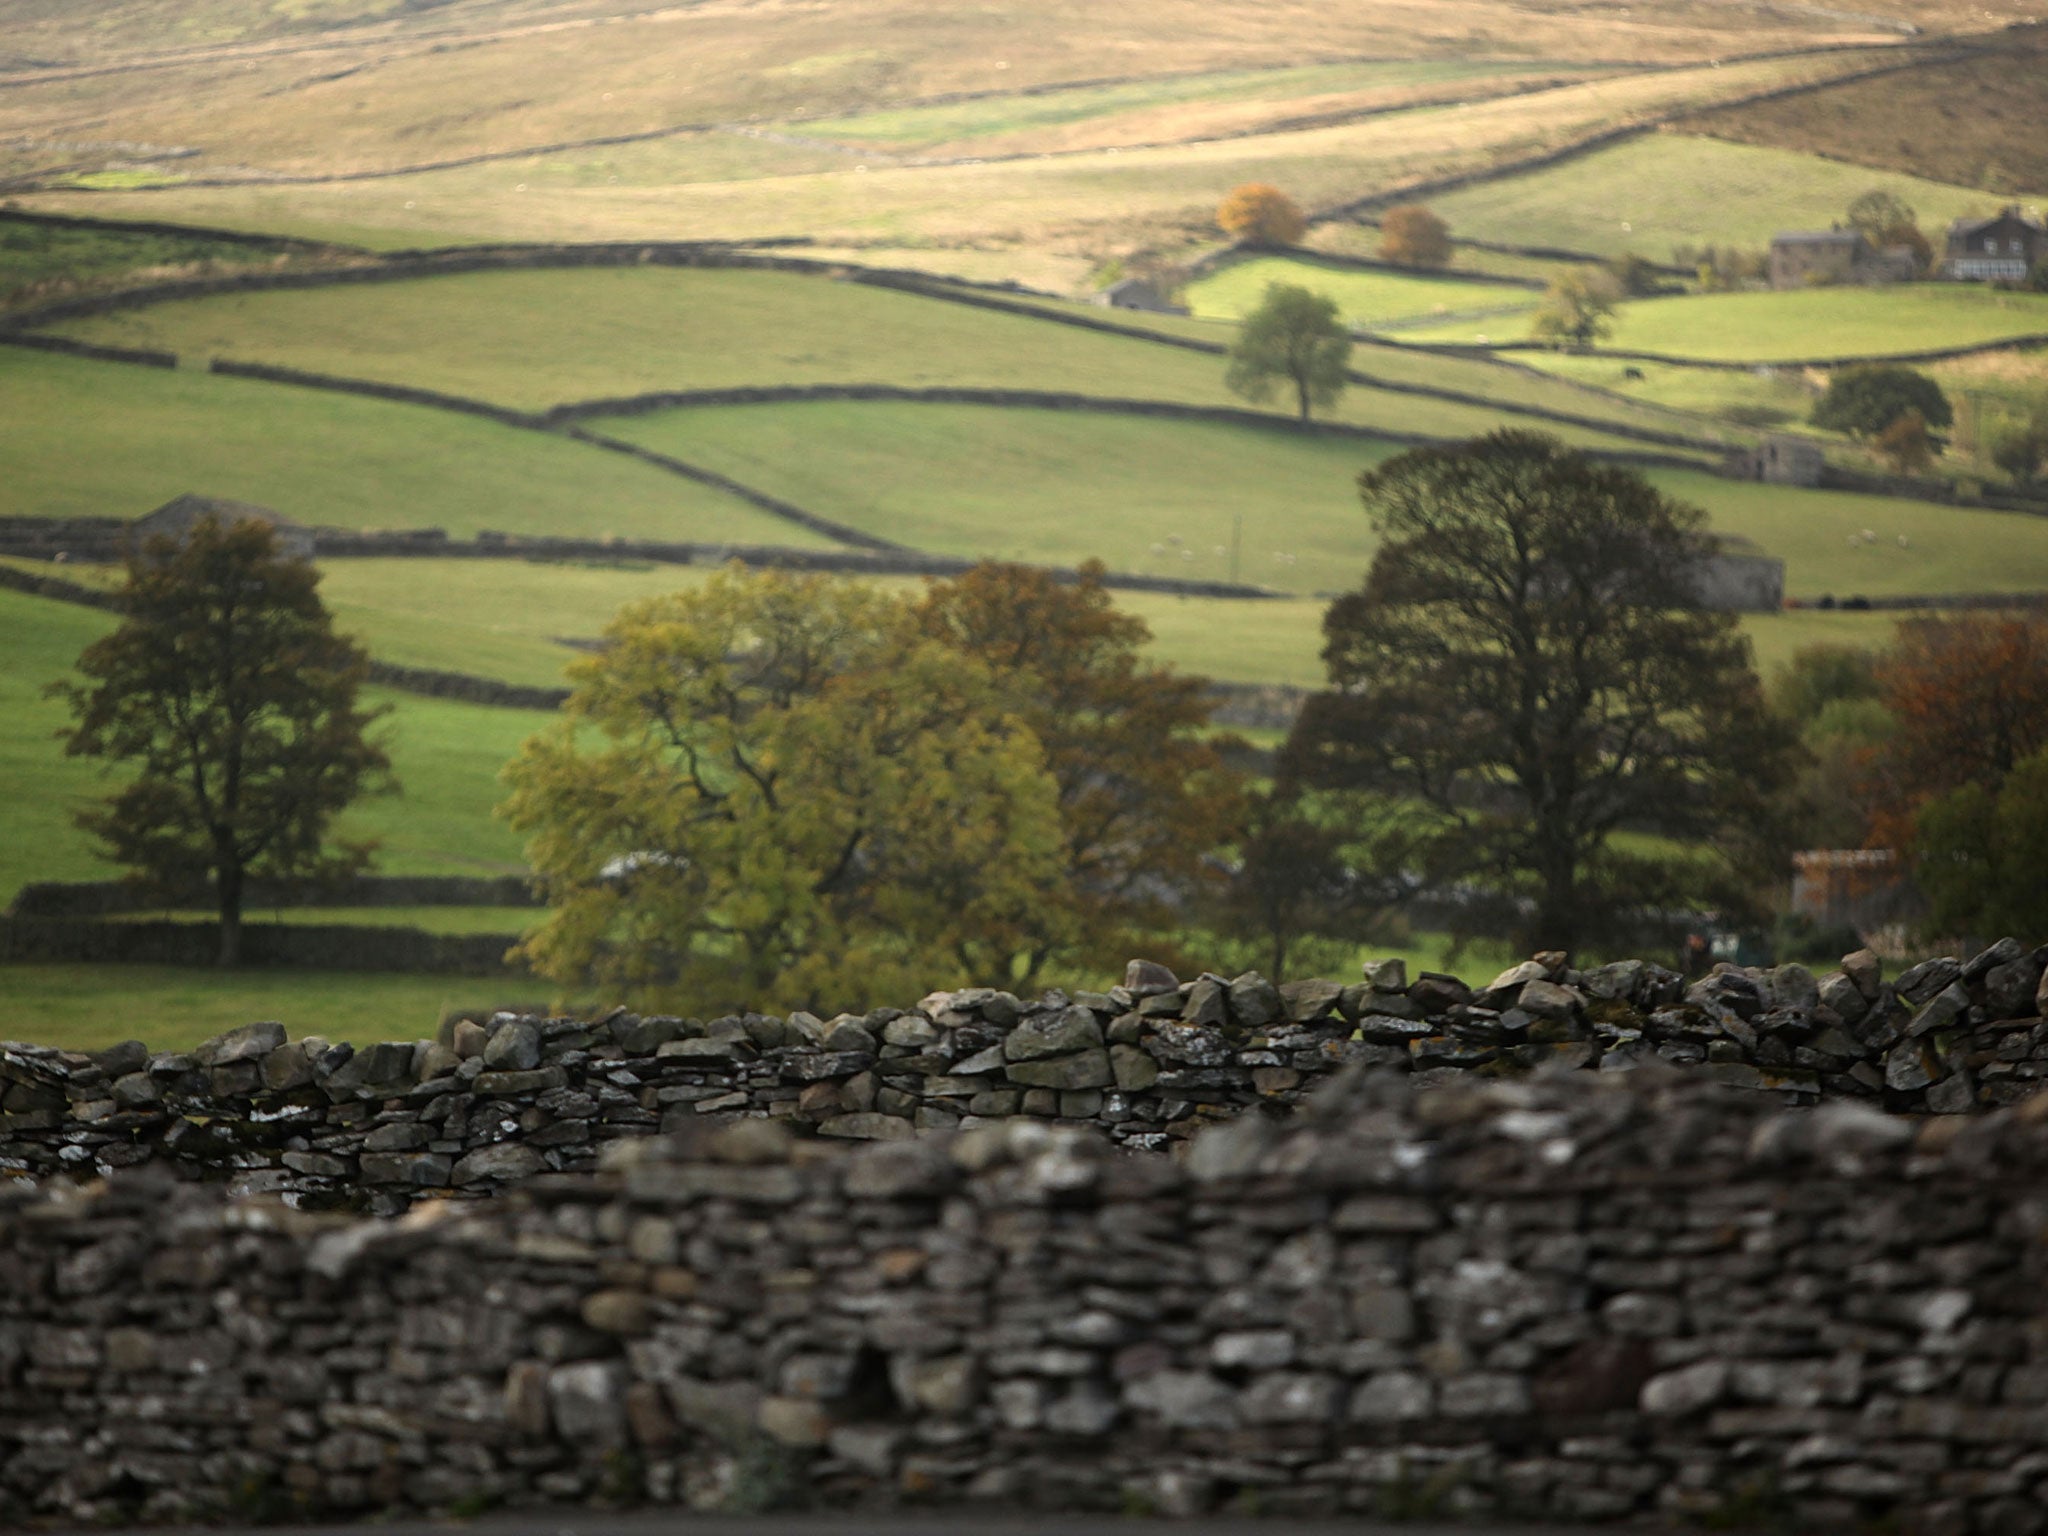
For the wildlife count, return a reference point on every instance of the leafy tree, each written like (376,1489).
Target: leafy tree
(1820,675)
(1906,445)
(1640,278)
(227,686)
(1258,214)
(1979,853)
(1578,307)
(1527,675)
(1863,401)
(780,790)
(1970,698)
(1886,220)
(1143,797)
(2020,450)
(1293,336)
(1412,236)
(1829,694)
(1291,892)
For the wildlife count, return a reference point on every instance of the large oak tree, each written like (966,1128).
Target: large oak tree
(1527,676)
(1144,795)
(227,685)
(781,791)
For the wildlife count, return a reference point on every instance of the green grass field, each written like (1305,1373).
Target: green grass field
(1799,324)
(168,1008)
(1365,299)
(535,339)
(1142,495)
(1786,394)
(1154,109)
(92,439)
(1662,190)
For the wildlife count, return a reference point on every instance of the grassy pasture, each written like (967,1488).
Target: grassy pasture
(1663,189)
(1798,323)
(534,339)
(1050,486)
(1169,108)
(1946,549)
(1364,299)
(105,439)
(1712,392)
(88,1008)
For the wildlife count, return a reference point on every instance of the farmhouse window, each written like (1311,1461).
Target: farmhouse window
(1991,246)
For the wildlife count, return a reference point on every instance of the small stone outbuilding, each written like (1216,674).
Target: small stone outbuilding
(1136,293)
(177,518)
(1779,460)
(1806,259)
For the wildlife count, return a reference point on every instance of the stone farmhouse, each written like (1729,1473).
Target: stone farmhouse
(1812,258)
(177,518)
(2000,249)
(1136,293)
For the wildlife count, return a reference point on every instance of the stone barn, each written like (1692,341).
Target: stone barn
(1740,578)
(1805,259)
(177,518)
(1779,460)
(1136,293)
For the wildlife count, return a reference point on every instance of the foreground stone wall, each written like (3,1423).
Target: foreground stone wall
(1145,1063)
(1580,1296)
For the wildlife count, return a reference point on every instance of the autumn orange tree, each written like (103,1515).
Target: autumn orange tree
(1258,214)
(1143,796)
(1412,236)
(1969,698)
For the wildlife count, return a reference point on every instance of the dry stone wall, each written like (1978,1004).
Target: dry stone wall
(1582,1296)
(1145,1064)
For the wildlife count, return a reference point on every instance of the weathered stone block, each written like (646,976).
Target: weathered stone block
(1083,1069)
(1057,1034)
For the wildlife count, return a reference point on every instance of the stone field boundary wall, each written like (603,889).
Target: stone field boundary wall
(1145,1064)
(1582,1297)
(302,946)
(103,898)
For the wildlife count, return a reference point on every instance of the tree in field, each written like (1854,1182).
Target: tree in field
(1829,694)
(1578,307)
(1291,893)
(1970,699)
(1143,797)
(1979,853)
(1863,401)
(776,790)
(1886,220)
(1295,338)
(1526,676)
(2020,450)
(1906,445)
(1258,214)
(1412,236)
(226,685)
